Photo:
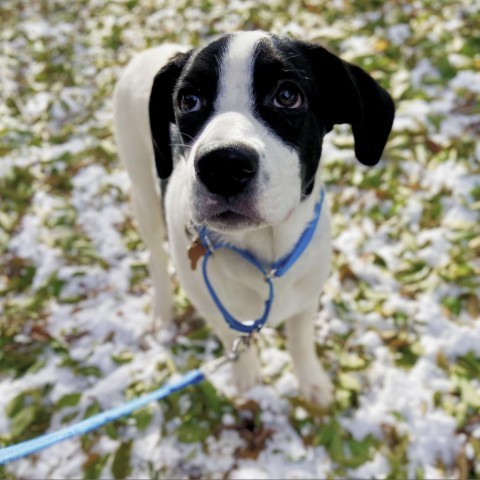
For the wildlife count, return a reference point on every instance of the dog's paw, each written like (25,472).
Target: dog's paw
(247,372)
(315,386)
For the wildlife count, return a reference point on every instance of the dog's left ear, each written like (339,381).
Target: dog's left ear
(161,112)
(349,95)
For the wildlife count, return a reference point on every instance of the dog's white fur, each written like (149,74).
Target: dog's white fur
(277,202)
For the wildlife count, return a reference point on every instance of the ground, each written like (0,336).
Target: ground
(398,328)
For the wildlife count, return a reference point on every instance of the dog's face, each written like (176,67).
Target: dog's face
(252,110)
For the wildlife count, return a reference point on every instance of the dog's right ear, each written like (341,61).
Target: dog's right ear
(161,112)
(350,95)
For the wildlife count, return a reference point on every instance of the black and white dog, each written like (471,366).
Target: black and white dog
(250,111)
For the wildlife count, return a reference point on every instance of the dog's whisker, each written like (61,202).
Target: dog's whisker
(181,145)
(188,136)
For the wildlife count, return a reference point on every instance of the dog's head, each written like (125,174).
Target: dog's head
(252,109)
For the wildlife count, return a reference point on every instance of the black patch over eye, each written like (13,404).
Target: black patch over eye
(288,96)
(189,102)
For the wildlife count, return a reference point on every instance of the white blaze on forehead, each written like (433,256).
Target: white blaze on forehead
(236,73)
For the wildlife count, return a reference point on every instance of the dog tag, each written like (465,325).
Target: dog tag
(195,251)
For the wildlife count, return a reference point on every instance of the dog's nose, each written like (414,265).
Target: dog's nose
(227,171)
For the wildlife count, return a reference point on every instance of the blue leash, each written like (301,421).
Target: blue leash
(28,447)
(276,270)
(35,445)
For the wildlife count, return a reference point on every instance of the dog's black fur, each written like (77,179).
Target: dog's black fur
(333,92)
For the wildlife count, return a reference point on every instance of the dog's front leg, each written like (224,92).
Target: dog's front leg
(152,229)
(313,381)
(162,291)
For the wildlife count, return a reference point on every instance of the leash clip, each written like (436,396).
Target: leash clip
(240,345)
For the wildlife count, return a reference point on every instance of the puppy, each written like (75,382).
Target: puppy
(245,116)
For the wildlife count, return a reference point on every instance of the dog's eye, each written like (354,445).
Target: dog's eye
(288,96)
(190,102)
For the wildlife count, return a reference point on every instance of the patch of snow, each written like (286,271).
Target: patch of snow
(467,80)
(399,33)
(358,45)
(249,472)
(376,468)
(274,360)
(434,247)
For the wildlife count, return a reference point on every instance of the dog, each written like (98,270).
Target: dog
(229,137)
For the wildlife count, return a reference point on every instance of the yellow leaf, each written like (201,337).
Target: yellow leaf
(381,45)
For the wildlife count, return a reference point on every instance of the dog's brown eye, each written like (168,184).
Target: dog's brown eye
(190,102)
(288,96)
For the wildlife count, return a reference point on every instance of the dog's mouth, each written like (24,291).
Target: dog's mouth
(226,214)
(232,220)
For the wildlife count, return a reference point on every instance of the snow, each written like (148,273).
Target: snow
(376,468)
(64,124)
(467,80)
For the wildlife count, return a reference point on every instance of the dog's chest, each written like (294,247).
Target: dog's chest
(241,287)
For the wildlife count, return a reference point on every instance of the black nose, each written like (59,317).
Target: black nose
(227,171)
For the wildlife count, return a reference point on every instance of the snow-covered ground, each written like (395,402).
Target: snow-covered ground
(398,328)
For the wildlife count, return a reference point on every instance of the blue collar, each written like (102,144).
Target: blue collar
(277,269)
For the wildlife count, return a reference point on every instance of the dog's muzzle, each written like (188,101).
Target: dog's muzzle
(227,171)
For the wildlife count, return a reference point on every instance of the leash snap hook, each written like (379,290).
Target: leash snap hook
(240,345)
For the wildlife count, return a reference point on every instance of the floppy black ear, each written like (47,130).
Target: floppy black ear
(161,112)
(349,95)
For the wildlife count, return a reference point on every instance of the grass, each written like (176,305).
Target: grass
(402,302)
